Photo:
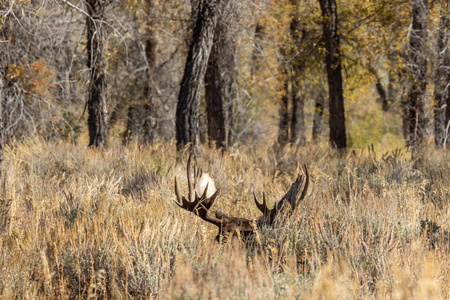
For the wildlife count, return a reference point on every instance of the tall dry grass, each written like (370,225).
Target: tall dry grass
(85,223)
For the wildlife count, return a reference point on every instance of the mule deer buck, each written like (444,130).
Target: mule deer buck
(202,194)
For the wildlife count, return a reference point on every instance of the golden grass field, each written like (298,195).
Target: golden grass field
(84,223)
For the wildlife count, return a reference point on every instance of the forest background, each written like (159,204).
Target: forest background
(270,56)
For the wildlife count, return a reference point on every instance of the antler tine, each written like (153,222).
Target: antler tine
(190,183)
(204,200)
(212,199)
(196,204)
(195,172)
(198,172)
(294,196)
(177,191)
(205,191)
(261,206)
(269,214)
(272,214)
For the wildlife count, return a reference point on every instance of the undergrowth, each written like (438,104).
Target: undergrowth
(86,223)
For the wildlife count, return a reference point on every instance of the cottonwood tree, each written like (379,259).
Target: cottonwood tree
(149,94)
(283,110)
(380,88)
(220,76)
(142,114)
(319,105)
(215,98)
(417,61)
(292,125)
(331,38)
(96,103)
(30,47)
(442,79)
(14,74)
(298,35)
(4,41)
(256,59)
(2,95)
(194,73)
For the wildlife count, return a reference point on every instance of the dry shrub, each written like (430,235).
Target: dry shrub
(78,223)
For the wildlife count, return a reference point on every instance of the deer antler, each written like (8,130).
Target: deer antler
(200,205)
(293,197)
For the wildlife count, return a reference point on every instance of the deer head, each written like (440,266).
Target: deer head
(202,194)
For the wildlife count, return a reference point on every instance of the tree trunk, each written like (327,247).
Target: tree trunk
(380,89)
(298,120)
(405,115)
(219,81)
(214,100)
(338,137)
(4,63)
(134,123)
(391,90)
(318,114)
(283,127)
(2,101)
(393,80)
(418,71)
(194,73)
(98,131)
(403,81)
(231,95)
(257,50)
(150,124)
(298,33)
(441,84)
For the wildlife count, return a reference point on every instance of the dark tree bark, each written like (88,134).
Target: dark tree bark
(98,131)
(194,73)
(380,89)
(283,126)
(338,137)
(142,115)
(442,80)
(150,124)
(391,91)
(2,101)
(418,71)
(136,113)
(219,81)
(393,79)
(257,49)
(403,80)
(318,114)
(214,100)
(298,129)
(405,115)
(4,63)
(66,87)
